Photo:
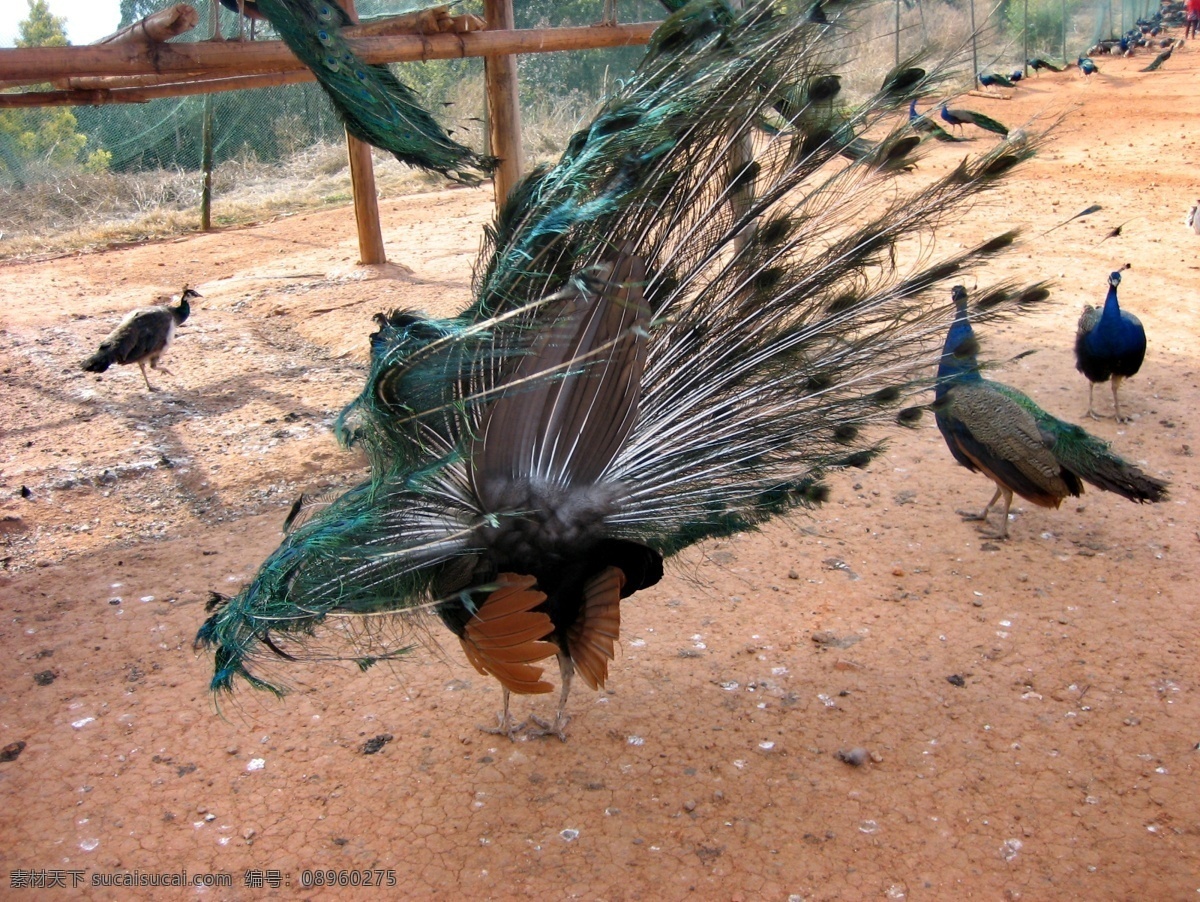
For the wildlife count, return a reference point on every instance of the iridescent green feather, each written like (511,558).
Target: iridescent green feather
(376,106)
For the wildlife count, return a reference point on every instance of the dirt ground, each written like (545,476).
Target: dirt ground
(1031,708)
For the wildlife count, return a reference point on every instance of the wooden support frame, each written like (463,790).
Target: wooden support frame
(504,105)
(131,70)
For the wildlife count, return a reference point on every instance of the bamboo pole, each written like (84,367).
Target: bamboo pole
(362,183)
(34,65)
(504,106)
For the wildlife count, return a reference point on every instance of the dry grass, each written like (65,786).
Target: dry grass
(66,211)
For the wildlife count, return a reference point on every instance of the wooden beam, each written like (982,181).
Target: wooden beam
(144,94)
(156,27)
(33,65)
(504,104)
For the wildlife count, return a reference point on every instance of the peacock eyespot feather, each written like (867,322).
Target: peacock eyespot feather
(966,348)
(767,280)
(999,243)
(745,176)
(991,298)
(1001,164)
(613,124)
(817,382)
(910,416)
(844,303)
(774,231)
(888,395)
(859,459)
(1034,295)
(845,433)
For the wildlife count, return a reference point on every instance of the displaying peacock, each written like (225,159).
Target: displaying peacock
(996,430)
(667,342)
(376,106)
(1110,343)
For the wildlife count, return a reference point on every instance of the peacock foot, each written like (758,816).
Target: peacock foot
(972,516)
(505,726)
(557,728)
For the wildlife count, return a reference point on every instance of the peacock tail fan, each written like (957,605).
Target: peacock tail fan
(677,331)
(376,106)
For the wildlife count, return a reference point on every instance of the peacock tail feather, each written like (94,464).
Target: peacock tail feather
(376,106)
(700,338)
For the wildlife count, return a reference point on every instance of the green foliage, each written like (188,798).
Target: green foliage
(42,29)
(1045,23)
(46,134)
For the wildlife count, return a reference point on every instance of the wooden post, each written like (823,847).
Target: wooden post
(504,119)
(206,165)
(362,184)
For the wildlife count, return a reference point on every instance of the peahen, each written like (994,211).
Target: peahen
(376,106)
(960,118)
(1110,343)
(667,343)
(142,337)
(998,431)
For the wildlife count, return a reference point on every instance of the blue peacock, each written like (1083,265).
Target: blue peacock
(1110,343)
(668,342)
(996,430)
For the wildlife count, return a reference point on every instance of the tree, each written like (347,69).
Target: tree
(49,134)
(42,29)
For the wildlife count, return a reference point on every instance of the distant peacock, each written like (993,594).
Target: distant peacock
(667,343)
(996,430)
(1110,343)
(376,106)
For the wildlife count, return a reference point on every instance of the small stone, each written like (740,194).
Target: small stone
(12,751)
(689,805)
(371,746)
(855,757)
(249,833)
(955,680)
(792,574)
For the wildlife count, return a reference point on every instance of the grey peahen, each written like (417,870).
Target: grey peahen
(996,430)
(1110,343)
(645,364)
(142,337)
(376,106)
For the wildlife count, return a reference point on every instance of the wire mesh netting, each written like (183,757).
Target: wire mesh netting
(77,175)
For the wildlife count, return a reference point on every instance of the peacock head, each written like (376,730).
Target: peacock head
(1114,279)
(184,309)
(958,294)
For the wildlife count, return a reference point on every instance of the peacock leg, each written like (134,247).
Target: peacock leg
(1091,409)
(215,22)
(558,728)
(968,515)
(241,20)
(142,367)
(1116,387)
(1002,533)
(505,727)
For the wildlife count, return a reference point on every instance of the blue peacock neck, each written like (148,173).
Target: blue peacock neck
(958,363)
